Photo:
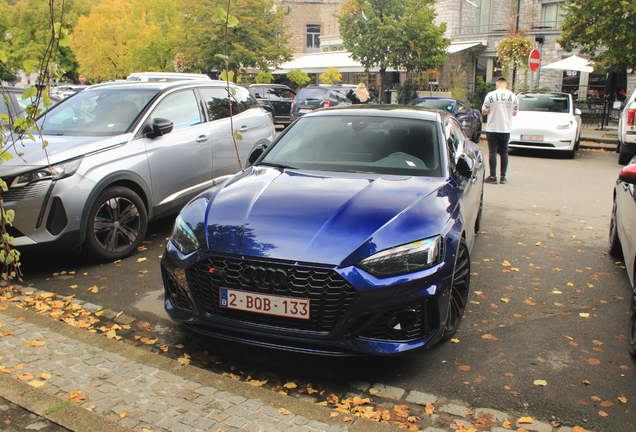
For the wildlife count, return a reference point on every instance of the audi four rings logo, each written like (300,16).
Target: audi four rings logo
(265,276)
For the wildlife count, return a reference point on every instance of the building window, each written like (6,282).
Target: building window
(552,13)
(313,38)
(482,15)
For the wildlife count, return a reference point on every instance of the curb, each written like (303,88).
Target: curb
(81,420)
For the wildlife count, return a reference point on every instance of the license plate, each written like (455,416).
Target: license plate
(305,110)
(532,138)
(264,303)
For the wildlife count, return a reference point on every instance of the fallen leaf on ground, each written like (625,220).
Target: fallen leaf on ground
(490,337)
(430,409)
(607,404)
(463,368)
(25,376)
(45,375)
(623,399)
(333,414)
(290,385)
(284,411)
(18,367)
(602,413)
(542,383)
(454,340)
(525,420)
(36,383)
(122,415)
(76,396)
(34,343)
(374,391)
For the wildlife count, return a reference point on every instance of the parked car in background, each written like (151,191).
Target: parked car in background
(165,76)
(62,88)
(351,233)
(546,121)
(316,96)
(275,98)
(622,236)
(627,131)
(17,105)
(469,118)
(122,155)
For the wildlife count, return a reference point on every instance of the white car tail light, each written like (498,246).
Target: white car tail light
(630,119)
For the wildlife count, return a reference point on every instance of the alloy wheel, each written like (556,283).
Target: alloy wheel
(459,291)
(116,224)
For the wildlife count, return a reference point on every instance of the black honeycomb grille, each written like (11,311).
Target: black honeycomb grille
(329,293)
(383,329)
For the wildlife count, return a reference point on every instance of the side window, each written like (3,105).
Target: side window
(244,99)
(461,108)
(180,108)
(217,103)
(452,143)
(339,95)
(279,93)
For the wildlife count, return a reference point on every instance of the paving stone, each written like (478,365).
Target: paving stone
(361,385)
(385,391)
(234,421)
(421,398)
(205,391)
(456,422)
(499,429)
(456,410)
(495,415)
(537,426)
(434,429)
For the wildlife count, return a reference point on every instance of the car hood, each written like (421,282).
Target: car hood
(314,217)
(59,149)
(542,120)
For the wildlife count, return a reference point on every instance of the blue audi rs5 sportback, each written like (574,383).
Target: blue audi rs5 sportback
(350,233)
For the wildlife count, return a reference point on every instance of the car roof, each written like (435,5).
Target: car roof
(544,93)
(404,111)
(159,85)
(436,98)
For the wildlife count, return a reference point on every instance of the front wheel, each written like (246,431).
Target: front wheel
(615,248)
(458,296)
(477,134)
(116,224)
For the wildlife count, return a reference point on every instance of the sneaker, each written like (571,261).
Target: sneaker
(490,179)
(502,180)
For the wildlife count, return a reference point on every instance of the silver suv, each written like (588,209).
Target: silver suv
(121,155)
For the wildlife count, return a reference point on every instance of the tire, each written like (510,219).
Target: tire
(623,156)
(458,296)
(116,224)
(477,134)
(615,248)
(479,213)
(632,326)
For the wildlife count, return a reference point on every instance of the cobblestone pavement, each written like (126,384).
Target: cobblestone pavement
(124,388)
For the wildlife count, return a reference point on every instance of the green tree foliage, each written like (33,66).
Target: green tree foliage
(603,29)
(330,76)
(258,40)
(298,77)
(393,33)
(406,93)
(264,77)
(26,32)
(124,36)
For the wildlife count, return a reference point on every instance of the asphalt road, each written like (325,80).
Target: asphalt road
(547,303)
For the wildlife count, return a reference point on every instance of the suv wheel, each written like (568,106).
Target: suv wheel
(116,224)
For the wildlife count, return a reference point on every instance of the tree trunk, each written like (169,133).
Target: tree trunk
(382,71)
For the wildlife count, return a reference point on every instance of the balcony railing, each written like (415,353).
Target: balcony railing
(532,27)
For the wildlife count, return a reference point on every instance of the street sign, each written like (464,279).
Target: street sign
(534,60)
(82,78)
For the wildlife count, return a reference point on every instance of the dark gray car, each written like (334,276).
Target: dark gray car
(316,96)
(275,98)
(121,155)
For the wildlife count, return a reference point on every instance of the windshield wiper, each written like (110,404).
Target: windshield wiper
(277,165)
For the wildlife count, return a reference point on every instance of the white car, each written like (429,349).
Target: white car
(546,121)
(627,131)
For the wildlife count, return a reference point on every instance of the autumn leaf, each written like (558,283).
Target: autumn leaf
(602,413)
(94,289)
(284,411)
(622,399)
(454,340)
(463,368)
(586,382)
(333,414)
(490,337)
(430,409)
(257,383)
(594,362)
(595,342)
(507,424)
(18,367)
(76,396)
(525,420)
(141,259)
(373,391)
(542,383)
(607,404)
(36,383)
(578,429)
(25,376)
(184,359)
(290,385)
(333,399)
(584,315)
(122,415)
(34,343)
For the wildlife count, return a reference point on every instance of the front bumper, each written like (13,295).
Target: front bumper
(351,311)
(553,139)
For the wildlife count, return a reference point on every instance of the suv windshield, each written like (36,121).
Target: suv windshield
(434,104)
(312,93)
(97,113)
(381,145)
(547,102)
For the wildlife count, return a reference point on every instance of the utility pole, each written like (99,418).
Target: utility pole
(514,70)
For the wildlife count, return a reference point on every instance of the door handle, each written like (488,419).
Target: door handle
(202,138)
(244,128)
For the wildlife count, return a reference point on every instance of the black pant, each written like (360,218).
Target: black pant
(497,143)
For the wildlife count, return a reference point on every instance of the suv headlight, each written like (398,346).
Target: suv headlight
(403,259)
(54,172)
(188,233)
(567,125)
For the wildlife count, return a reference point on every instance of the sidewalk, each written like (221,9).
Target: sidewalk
(83,381)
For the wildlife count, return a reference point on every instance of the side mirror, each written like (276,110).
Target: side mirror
(628,174)
(465,166)
(256,153)
(159,127)
(577,111)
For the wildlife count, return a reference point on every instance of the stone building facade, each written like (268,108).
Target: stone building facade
(308,20)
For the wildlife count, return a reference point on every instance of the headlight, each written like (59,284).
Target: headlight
(403,259)
(54,172)
(567,125)
(188,233)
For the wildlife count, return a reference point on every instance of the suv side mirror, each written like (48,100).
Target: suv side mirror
(256,153)
(159,127)
(465,166)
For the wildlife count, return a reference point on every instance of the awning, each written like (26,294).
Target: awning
(574,63)
(457,47)
(320,62)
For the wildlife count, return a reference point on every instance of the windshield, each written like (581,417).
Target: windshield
(434,104)
(311,93)
(97,113)
(547,102)
(381,145)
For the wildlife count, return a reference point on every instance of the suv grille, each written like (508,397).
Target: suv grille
(32,190)
(329,293)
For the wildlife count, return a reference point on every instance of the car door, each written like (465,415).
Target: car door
(464,117)
(217,105)
(180,161)
(626,218)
